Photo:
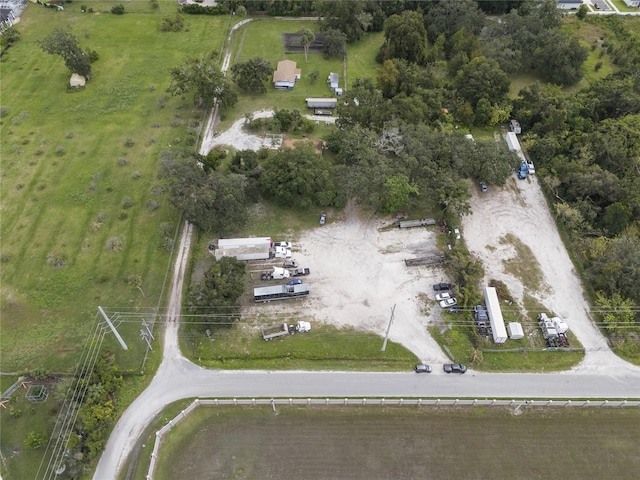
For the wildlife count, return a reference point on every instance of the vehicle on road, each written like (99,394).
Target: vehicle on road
(454,368)
(531,169)
(483,187)
(422,369)
(522,173)
(323,218)
(443,296)
(448,302)
(442,286)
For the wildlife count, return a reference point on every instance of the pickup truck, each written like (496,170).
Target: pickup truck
(299,272)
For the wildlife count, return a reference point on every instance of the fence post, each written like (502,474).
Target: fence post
(437,401)
(549,402)
(623,403)
(567,403)
(364,401)
(586,403)
(346,401)
(419,401)
(235,401)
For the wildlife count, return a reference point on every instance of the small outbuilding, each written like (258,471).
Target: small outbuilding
(77,81)
(515,330)
(286,75)
(333,81)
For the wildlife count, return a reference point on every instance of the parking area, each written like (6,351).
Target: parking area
(358,274)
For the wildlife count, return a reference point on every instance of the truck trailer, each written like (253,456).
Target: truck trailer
(275,331)
(257,248)
(280,292)
(496,321)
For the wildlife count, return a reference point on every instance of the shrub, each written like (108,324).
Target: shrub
(60,150)
(136,175)
(172,23)
(4,111)
(115,244)
(117,9)
(35,440)
(56,259)
(122,161)
(15,412)
(129,142)
(127,202)
(154,4)
(152,205)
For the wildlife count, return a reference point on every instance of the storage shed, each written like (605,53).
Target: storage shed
(515,330)
(324,103)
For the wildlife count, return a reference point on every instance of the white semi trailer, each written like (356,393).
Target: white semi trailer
(498,329)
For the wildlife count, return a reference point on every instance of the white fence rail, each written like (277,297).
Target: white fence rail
(359,402)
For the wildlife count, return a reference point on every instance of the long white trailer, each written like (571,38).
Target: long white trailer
(496,321)
(514,145)
(280,292)
(256,248)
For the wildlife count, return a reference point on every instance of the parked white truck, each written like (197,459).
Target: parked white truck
(278,273)
(275,331)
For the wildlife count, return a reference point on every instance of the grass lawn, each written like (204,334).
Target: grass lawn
(379,442)
(324,348)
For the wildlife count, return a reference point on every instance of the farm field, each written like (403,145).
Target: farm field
(85,220)
(355,443)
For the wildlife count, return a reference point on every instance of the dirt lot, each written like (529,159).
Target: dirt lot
(520,209)
(402,443)
(358,273)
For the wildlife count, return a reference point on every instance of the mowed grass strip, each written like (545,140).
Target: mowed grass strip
(82,212)
(324,348)
(379,443)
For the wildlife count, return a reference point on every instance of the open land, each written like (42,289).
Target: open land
(355,443)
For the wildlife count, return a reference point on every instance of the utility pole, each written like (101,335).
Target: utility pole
(386,337)
(113,328)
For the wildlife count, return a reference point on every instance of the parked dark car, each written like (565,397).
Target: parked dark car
(442,286)
(454,368)
(297,281)
(422,369)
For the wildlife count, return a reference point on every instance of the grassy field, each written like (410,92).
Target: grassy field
(324,348)
(376,443)
(84,219)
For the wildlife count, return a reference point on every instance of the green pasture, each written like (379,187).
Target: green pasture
(324,348)
(84,220)
(387,442)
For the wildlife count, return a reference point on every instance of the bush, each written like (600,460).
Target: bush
(172,23)
(127,202)
(115,244)
(117,9)
(195,9)
(35,440)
